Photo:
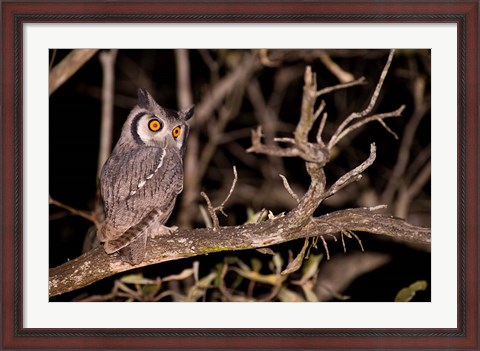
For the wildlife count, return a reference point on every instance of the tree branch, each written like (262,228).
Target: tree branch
(96,264)
(67,67)
(107,59)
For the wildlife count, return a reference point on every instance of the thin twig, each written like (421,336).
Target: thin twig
(212,210)
(52,60)
(354,174)
(359,81)
(376,93)
(342,75)
(358,239)
(403,157)
(370,106)
(321,127)
(234,182)
(284,140)
(87,215)
(336,138)
(325,246)
(319,110)
(289,189)
(407,194)
(260,148)
(343,242)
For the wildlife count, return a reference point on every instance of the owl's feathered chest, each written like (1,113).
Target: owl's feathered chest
(135,181)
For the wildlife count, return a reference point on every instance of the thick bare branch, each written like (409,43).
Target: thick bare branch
(107,58)
(241,73)
(67,67)
(184,86)
(96,264)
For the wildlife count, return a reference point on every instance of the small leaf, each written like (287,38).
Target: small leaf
(218,273)
(297,262)
(150,289)
(236,283)
(198,290)
(206,217)
(271,279)
(309,294)
(266,251)
(407,294)
(137,279)
(311,267)
(253,217)
(205,282)
(256,264)
(243,265)
(183,275)
(230,260)
(286,295)
(276,263)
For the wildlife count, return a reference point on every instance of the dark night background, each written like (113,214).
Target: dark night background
(74,131)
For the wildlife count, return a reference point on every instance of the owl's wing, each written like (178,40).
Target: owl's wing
(138,182)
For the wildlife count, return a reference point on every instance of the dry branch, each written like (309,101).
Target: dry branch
(107,59)
(87,215)
(96,264)
(67,67)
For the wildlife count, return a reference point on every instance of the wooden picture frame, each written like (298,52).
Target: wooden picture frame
(463,13)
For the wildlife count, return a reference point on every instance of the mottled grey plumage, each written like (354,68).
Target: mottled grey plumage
(142,178)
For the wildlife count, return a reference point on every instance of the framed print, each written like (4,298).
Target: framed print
(319,159)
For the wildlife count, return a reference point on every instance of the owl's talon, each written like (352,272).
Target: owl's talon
(163,230)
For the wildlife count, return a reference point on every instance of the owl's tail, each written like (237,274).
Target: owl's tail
(134,253)
(132,233)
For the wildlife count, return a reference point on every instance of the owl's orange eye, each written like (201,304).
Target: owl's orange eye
(154,125)
(176,132)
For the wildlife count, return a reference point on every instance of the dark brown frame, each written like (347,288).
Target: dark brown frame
(463,13)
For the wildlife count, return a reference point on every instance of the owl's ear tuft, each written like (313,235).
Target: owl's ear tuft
(187,113)
(144,98)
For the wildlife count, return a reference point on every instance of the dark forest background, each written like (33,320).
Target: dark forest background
(253,87)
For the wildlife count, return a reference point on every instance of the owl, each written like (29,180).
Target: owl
(142,177)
